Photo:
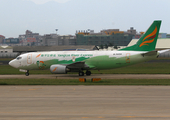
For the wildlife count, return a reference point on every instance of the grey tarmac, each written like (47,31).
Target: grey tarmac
(102,76)
(84,102)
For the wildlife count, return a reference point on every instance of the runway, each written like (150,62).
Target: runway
(84,102)
(75,76)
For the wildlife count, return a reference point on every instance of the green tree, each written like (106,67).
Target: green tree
(101,46)
(115,47)
(110,45)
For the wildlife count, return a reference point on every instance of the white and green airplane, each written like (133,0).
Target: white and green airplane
(61,62)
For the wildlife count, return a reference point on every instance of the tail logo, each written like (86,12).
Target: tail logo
(149,38)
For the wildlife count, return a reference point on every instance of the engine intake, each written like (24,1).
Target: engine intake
(58,69)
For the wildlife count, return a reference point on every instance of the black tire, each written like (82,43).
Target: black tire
(88,73)
(27,74)
(81,73)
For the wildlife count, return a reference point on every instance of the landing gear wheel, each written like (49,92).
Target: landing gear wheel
(27,73)
(81,73)
(88,73)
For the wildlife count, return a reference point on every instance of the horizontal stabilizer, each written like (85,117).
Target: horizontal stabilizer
(162,51)
(150,53)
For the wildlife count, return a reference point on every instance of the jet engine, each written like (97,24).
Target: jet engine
(58,69)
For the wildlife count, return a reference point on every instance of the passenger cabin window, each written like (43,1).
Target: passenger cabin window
(18,58)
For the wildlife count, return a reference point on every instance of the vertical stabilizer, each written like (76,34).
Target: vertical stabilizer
(148,41)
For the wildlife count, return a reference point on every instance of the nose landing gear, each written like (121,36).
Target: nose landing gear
(27,73)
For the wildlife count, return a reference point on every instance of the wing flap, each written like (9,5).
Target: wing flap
(78,65)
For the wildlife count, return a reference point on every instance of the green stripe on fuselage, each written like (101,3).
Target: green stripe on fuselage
(97,62)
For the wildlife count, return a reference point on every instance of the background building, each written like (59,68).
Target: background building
(105,37)
(56,40)
(30,39)
(10,41)
(67,40)
(7,52)
(1,39)
(162,35)
(113,38)
(50,40)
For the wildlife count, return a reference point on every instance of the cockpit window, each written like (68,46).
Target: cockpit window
(18,58)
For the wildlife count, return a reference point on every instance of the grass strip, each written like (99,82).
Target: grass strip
(88,82)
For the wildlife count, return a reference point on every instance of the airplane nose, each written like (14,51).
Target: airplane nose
(13,63)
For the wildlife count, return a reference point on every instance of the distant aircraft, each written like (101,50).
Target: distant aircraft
(61,62)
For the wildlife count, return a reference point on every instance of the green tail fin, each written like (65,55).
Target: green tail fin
(148,40)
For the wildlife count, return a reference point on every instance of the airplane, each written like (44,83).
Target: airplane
(62,62)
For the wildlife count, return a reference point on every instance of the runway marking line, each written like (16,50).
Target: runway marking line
(145,116)
(93,117)
(22,112)
(33,89)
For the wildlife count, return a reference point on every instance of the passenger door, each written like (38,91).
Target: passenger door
(29,59)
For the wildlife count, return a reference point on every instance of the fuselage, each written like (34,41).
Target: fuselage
(94,59)
(61,62)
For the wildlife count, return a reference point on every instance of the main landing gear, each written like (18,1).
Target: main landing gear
(27,73)
(88,73)
(81,73)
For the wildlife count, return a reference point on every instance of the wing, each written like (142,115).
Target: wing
(78,65)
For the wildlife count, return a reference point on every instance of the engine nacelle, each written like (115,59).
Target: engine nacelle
(58,69)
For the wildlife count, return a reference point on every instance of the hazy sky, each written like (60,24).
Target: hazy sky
(45,1)
(44,16)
